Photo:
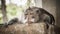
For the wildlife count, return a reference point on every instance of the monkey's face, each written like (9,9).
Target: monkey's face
(32,15)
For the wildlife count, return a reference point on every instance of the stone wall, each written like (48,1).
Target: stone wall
(36,28)
(50,6)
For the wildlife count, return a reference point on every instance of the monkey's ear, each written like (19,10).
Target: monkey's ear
(29,8)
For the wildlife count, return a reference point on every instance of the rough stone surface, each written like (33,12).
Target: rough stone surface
(35,28)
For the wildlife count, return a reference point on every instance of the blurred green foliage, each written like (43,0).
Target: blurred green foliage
(1,16)
(13,10)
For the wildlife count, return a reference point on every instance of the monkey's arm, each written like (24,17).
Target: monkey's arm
(13,21)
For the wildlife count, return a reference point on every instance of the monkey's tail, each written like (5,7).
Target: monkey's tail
(53,20)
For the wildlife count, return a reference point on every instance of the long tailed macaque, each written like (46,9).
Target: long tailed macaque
(37,15)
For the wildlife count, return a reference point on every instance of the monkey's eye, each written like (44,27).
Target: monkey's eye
(33,17)
(26,14)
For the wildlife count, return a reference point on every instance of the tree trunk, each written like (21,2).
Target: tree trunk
(3,7)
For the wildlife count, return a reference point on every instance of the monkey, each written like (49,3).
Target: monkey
(37,15)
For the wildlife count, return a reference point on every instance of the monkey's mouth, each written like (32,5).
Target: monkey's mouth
(29,21)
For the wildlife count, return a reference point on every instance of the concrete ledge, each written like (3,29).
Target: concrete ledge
(35,28)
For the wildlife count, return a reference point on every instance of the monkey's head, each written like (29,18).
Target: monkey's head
(32,14)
